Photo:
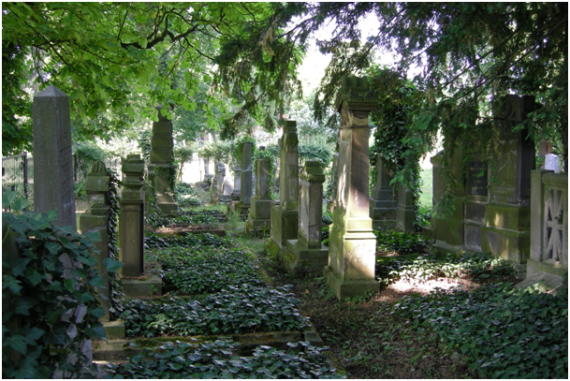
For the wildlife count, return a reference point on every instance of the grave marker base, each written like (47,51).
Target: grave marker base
(299,261)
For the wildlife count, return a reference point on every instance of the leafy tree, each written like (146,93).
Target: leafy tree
(109,56)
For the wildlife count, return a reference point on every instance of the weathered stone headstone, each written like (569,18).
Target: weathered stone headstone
(285,216)
(246,180)
(132,217)
(352,244)
(334,182)
(260,217)
(449,230)
(382,201)
(95,219)
(53,168)
(277,168)
(305,253)
(476,198)
(507,215)
(237,182)
(405,211)
(161,168)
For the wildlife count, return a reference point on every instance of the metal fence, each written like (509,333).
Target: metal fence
(18,175)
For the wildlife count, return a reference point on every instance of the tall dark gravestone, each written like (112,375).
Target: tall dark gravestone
(352,243)
(53,167)
(507,215)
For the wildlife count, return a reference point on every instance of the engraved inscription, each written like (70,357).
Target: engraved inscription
(477,178)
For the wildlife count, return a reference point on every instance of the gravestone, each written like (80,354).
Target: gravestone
(507,214)
(161,168)
(237,182)
(548,262)
(476,199)
(306,253)
(383,204)
(405,211)
(284,216)
(449,230)
(246,180)
(132,217)
(53,167)
(352,244)
(277,168)
(334,182)
(259,220)
(95,219)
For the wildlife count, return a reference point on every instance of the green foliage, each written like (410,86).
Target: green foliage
(153,240)
(16,105)
(182,155)
(325,235)
(116,288)
(402,243)
(265,154)
(236,310)
(205,270)
(216,360)
(45,286)
(238,145)
(478,266)
(319,152)
(218,151)
(500,331)
(144,144)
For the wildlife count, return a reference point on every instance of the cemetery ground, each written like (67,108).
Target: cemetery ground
(435,317)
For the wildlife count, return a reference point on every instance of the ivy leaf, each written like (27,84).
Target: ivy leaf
(23,306)
(20,204)
(20,267)
(57,335)
(35,333)
(96,331)
(8,198)
(12,283)
(18,343)
(112,265)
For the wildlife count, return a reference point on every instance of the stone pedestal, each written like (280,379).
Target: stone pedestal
(53,168)
(305,253)
(405,212)
(161,168)
(242,207)
(507,215)
(95,220)
(285,216)
(259,220)
(382,201)
(132,217)
(352,244)
(548,260)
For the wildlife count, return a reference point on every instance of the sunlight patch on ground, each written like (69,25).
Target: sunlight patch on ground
(406,287)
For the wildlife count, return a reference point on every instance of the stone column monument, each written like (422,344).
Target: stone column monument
(161,166)
(259,218)
(246,180)
(382,201)
(285,216)
(405,212)
(352,245)
(132,217)
(305,254)
(53,168)
(95,220)
(237,182)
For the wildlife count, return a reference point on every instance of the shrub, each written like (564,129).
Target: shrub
(216,360)
(48,296)
(502,332)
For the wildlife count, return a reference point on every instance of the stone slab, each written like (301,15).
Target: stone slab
(298,261)
(149,285)
(549,283)
(344,288)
